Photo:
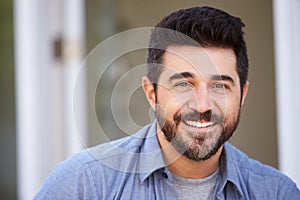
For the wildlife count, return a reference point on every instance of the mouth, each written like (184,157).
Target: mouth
(198,124)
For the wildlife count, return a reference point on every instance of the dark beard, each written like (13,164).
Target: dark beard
(170,130)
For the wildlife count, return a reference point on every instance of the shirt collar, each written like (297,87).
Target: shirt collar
(229,171)
(151,158)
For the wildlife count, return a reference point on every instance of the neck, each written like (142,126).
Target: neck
(184,167)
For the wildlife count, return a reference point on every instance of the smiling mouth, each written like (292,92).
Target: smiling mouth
(198,124)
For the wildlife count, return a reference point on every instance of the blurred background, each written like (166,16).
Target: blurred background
(57,98)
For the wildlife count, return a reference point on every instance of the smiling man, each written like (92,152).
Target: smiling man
(196,84)
(197,104)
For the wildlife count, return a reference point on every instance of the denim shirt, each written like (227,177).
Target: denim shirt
(133,168)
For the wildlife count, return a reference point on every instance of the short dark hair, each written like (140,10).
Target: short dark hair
(198,26)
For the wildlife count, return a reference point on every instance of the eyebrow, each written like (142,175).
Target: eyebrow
(222,78)
(190,75)
(181,76)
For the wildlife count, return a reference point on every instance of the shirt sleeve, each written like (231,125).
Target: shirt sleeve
(289,191)
(62,183)
(69,180)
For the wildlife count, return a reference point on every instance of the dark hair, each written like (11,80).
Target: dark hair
(197,26)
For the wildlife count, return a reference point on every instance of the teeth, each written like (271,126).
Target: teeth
(199,124)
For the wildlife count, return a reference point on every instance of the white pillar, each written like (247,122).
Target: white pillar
(74,82)
(45,126)
(287,60)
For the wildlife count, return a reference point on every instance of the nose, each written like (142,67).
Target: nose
(201,100)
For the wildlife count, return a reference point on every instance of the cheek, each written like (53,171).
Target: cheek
(169,102)
(232,108)
(227,105)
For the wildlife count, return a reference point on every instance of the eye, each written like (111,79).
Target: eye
(182,86)
(220,86)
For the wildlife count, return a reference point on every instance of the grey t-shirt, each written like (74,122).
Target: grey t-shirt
(199,189)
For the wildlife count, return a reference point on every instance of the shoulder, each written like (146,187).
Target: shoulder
(87,171)
(246,164)
(65,179)
(257,178)
(105,153)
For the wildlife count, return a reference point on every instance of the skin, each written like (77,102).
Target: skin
(195,80)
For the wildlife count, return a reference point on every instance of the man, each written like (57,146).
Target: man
(196,84)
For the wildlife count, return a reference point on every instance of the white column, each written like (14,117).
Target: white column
(45,126)
(74,82)
(287,60)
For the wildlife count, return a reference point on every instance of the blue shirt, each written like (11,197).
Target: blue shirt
(133,168)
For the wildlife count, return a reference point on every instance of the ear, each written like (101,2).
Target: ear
(245,91)
(149,91)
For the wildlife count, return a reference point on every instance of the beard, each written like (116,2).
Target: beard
(196,144)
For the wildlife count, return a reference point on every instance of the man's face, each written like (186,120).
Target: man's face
(198,99)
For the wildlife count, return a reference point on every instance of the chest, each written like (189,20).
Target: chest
(155,187)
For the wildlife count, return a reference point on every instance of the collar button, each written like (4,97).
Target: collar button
(165,175)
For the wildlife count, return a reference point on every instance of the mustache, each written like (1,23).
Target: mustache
(197,116)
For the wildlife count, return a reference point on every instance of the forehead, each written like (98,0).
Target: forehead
(200,61)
